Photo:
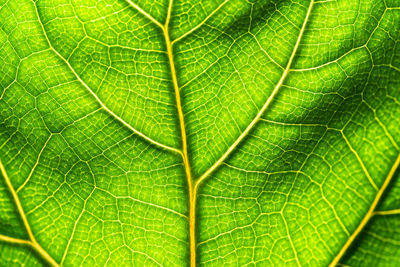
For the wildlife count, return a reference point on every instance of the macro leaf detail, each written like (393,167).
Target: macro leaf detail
(201,133)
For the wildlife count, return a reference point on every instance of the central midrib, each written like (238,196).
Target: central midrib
(194,187)
(193,184)
(184,154)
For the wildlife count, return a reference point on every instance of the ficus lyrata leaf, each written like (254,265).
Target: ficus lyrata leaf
(207,132)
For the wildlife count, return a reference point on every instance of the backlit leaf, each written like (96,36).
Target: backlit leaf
(209,133)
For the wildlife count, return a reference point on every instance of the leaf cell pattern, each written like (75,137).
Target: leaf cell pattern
(214,133)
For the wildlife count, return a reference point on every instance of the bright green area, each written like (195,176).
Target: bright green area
(76,76)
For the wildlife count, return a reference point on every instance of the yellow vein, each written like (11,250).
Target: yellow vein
(200,24)
(75,226)
(151,204)
(35,245)
(266,105)
(34,166)
(185,157)
(290,240)
(334,211)
(264,51)
(330,62)
(16,200)
(369,214)
(144,13)
(387,212)
(98,99)
(13,240)
(360,161)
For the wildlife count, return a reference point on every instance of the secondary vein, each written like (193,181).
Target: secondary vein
(369,214)
(387,212)
(33,243)
(96,97)
(200,24)
(144,13)
(14,240)
(262,110)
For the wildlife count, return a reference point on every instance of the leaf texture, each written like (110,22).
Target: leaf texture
(209,133)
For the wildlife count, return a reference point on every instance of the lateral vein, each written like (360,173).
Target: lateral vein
(371,212)
(200,24)
(266,105)
(97,98)
(387,212)
(372,182)
(144,13)
(35,245)
(14,240)
(34,166)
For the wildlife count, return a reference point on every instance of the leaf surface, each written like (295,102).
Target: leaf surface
(203,132)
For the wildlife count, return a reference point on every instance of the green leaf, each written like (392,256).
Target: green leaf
(379,242)
(209,133)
